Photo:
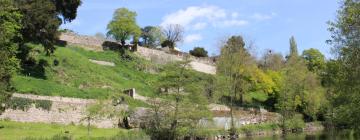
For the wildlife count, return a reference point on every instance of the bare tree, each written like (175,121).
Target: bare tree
(173,33)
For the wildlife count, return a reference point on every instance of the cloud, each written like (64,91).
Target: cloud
(186,16)
(200,17)
(258,16)
(235,22)
(192,38)
(199,25)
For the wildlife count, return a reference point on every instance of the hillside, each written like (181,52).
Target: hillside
(73,72)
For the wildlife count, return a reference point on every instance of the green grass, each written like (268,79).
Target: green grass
(76,76)
(17,130)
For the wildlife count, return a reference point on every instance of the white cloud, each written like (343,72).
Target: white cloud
(233,22)
(192,38)
(258,16)
(199,25)
(234,15)
(186,16)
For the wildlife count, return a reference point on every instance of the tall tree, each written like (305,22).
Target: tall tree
(123,26)
(233,60)
(10,27)
(173,34)
(346,40)
(42,19)
(293,48)
(272,61)
(169,119)
(315,60)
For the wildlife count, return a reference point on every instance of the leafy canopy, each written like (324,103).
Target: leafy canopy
(123,25)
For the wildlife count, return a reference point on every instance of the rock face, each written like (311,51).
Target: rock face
(206,65)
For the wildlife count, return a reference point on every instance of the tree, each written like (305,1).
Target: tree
(199,52)
(231,65)
(315,60)
(42,19)
(272,61)
(123,26)
(10,27)
(293,48)
(173,34)
(152,36)
(180,117)
(346,40)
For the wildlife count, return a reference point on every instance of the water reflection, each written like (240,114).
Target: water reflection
(326,135)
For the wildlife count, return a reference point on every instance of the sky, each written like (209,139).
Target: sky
(266,24)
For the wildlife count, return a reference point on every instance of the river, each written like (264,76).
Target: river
(325,135)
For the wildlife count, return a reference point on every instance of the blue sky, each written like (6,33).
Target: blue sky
(267,23)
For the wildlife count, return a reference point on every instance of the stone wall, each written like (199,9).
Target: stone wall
(63,111)
(206,65)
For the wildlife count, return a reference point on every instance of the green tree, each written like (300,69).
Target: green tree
(232,70)
(10,27)
(199,52)
(123,26)
(315,60)
(152,36)
(293,48)
(345,38)
(42,19)
(180,117)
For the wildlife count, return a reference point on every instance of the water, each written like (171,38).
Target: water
(326,135)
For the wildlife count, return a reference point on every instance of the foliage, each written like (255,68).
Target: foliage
(123,25)
(199,52)
(314,59)
(295,123)
(346,92)
(42,19)
(25,103)
(152,36)
(293,48)
(175,119)
(9,34)
(272,61)
(20,103)
(232,67)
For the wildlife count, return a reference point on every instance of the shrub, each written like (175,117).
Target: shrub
(295,123)
(43,104)
(18,103)
(199,52)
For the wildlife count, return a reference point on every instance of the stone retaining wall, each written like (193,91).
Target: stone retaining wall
(63,111)
(206,65)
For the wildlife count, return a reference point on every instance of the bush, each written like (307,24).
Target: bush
(43,104)
(17,103)
(199,52)
(295,123)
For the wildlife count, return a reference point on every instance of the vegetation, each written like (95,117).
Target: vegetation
(152,36)
(18,130)
(173,34)
(9,34)
(123,26)
(199,52)
(344,84)
(25,103)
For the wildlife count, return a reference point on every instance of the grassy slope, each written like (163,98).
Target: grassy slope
(76,76)
(17,130)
